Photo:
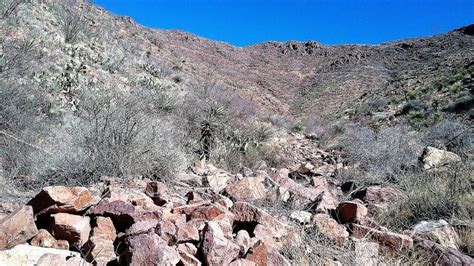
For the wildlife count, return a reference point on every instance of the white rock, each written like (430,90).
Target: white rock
(302,217)
(29,255)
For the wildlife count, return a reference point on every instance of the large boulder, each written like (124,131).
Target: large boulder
(216,248)
(433,158)
(437,231)
(61,199)
(150,249)
(73,228)
(30,255)
(17,227)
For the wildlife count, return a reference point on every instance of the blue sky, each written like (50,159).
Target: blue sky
(246,22)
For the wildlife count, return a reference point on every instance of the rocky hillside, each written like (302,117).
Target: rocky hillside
(121,144)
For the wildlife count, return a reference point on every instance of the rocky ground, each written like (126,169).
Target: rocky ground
(212,217)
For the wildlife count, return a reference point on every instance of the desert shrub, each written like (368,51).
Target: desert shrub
(224,129)
(454,136)
(311,248)
(431,196)
(380,156)
(73,24)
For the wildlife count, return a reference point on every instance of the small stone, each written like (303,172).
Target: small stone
(243,240)
(301,217)
(104,228)
(150,249)
(46,240)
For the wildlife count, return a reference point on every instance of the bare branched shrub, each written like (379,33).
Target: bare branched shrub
(18,57)
(9,7)
(454,136)
(380,156)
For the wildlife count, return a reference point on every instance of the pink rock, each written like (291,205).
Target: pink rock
(61,199)
(351,211)
(188,248)
(141,227)
(73,228)
(188,259)
(247,213)
(330,228)
(201,210)
(217,249)
(46,240)
(248,189)
(99,250)
(167,231)
(104,228)
(187,232)
(377,197)
(150,249)
(17,227)
(392,243)
(261,254)
(243,240)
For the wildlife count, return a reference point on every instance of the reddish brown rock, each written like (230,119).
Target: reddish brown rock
(158,192)
(330,228)
(104,228)
(46,240)
(392,243)
(248,189)
(17,227)
(73,228)
(135,197)
(99,250)
(261,254)
(61,199)
(351,211)
(377,197)
(122,213)
(217,249)
(150,249)
(202,210)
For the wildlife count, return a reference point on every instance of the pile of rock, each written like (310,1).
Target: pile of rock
(206,217)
